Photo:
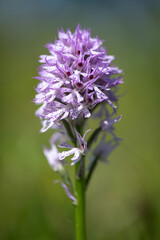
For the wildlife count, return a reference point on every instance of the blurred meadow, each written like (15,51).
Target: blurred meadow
(123,201)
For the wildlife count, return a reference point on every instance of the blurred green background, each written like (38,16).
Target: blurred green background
(123,201)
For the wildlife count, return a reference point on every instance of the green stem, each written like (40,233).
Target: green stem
(80,195)
(91,170)
(93,136)
(69,131)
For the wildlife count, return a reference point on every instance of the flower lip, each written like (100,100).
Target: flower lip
(78,151)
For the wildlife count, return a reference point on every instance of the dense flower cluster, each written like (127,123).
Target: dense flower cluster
(76,76)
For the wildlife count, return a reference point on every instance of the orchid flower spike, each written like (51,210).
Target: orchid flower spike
(77,75)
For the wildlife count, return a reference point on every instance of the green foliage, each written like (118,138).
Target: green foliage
(123,201)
